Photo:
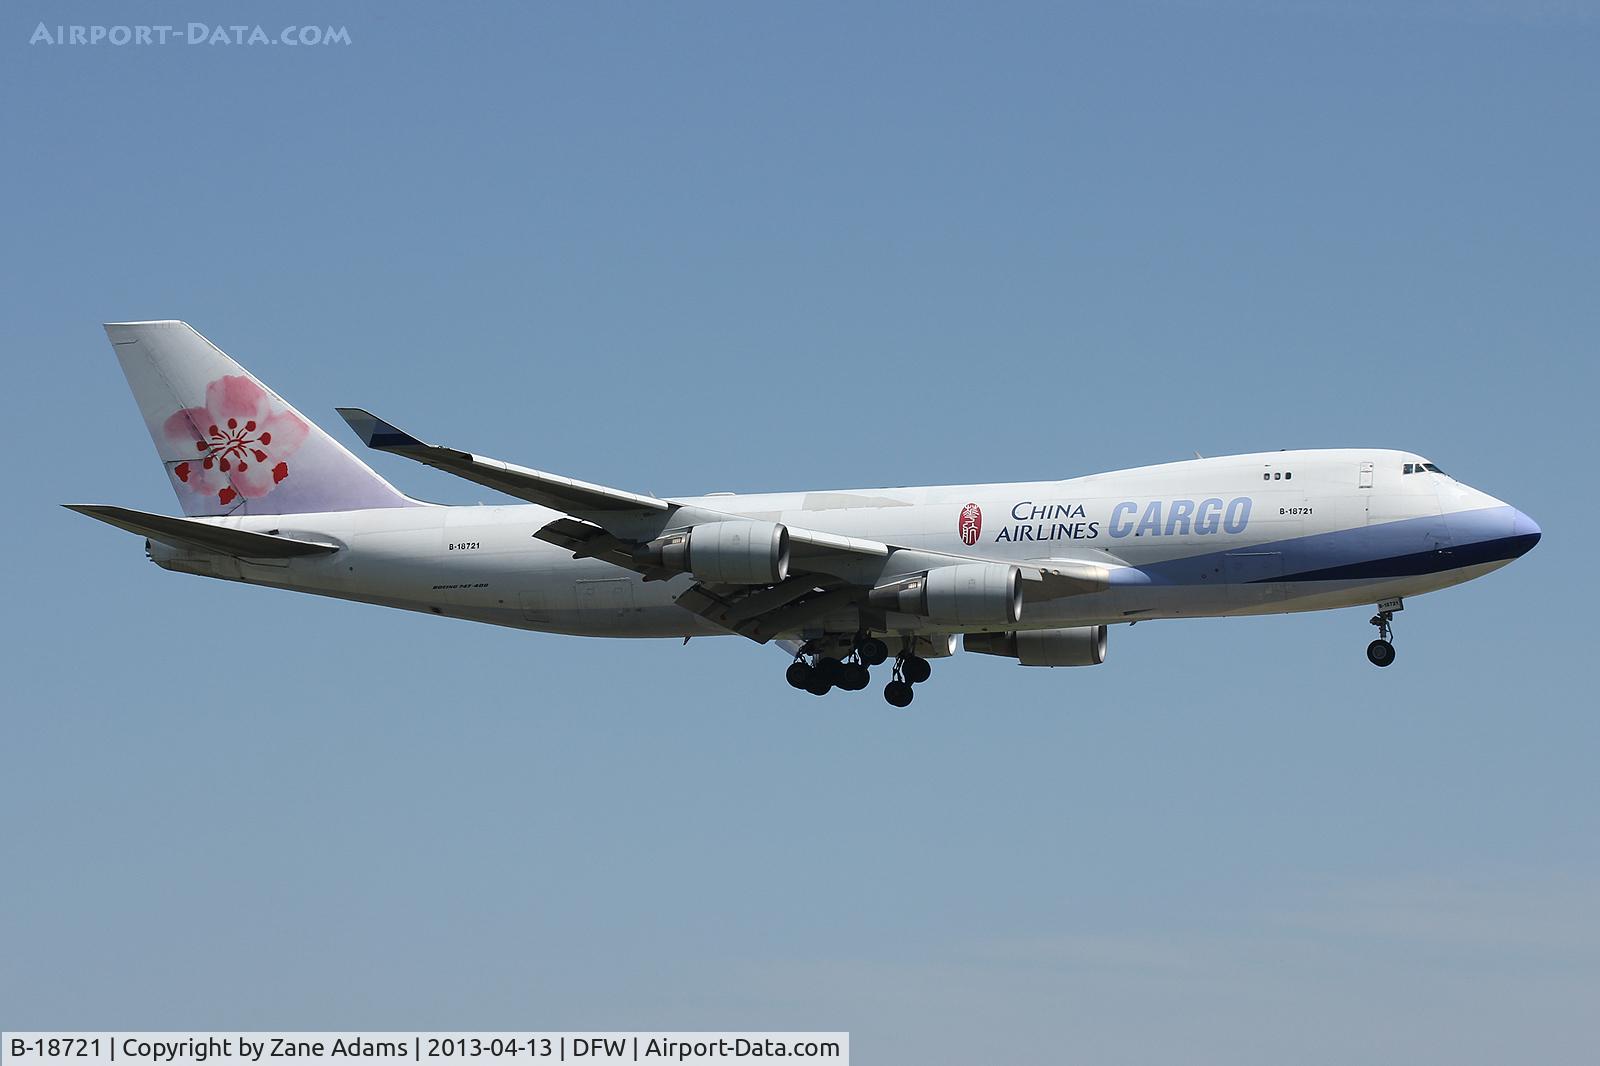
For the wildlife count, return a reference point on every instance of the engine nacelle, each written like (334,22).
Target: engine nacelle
(1079,646)
(960,594)
(724,553)
(934,646)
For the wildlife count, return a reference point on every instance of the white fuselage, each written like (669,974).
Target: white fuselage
(1252,534)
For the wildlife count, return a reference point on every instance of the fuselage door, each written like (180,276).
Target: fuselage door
(1254,576)
(605,598)
(1365,477)
(535,607)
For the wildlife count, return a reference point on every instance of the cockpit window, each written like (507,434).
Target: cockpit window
(1417,468)
(1430,468)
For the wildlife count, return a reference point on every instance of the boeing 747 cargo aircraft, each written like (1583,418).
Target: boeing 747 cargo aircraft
(843,580)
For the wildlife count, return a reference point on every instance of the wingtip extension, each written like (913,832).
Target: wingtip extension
(374,431)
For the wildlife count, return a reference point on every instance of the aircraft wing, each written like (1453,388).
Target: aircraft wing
(191,533)
(758,612)
(535,486)
(762,613)
(827,571)
(606,523)
(1068,577)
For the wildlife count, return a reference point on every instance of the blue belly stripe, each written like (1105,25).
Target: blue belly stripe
(1384,550)
(1424,562)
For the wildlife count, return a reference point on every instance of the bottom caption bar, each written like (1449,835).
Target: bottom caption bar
(288,1049)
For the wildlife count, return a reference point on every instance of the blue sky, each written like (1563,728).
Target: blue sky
(700,247)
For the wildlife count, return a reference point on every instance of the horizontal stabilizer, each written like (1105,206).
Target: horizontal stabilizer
(190,533)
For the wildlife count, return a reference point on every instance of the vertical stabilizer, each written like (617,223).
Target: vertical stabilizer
(232,446)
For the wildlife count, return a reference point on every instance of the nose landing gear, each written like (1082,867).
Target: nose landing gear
(1381,651)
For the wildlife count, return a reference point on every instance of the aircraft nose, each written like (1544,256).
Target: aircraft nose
(1525,533)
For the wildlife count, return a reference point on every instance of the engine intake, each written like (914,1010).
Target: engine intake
(724,553)
(960,594)
(1079,646)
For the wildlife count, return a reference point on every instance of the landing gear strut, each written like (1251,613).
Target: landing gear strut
(824,673)
(1381,651)
(818,672)
(909,669)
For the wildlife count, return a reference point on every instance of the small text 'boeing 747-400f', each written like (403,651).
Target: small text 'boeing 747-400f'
(842,580)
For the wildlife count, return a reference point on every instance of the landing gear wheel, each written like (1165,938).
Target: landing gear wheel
(798,674)
(898,693)
(854,677)
(1381,652)
(826,673)
(874,652)
(916,669)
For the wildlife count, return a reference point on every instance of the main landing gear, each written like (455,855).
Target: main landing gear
(819,673)
(908,670)
(824,673)
(872,651)
(1381,651)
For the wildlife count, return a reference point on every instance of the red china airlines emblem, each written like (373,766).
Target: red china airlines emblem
(971,524)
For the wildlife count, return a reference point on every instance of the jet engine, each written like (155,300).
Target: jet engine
(937,646)
(1080,646)
(724,553)
(960,594)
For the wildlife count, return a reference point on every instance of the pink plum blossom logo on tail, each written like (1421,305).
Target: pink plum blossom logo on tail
(241,441)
